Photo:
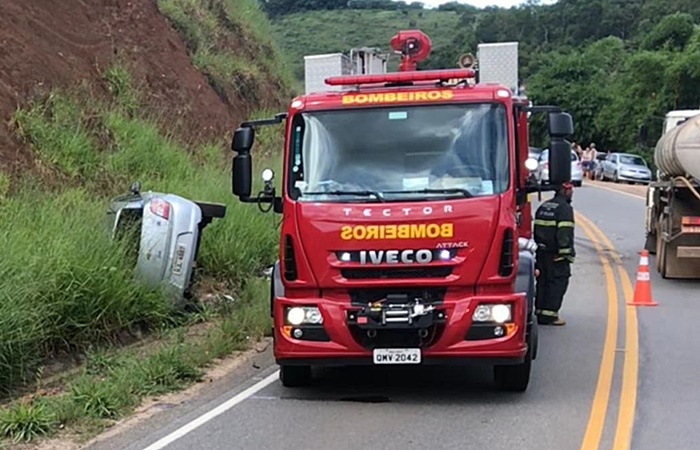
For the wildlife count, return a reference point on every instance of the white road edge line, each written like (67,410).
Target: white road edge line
(222,408)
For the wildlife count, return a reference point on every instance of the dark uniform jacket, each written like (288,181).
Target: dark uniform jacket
(554,228)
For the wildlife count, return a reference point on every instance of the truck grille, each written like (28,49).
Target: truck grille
(394,273)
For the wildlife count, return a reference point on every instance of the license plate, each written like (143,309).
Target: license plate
(397,356)
(179,259)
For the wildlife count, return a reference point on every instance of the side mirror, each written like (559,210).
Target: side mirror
(243,139)
(561,125)
(559,161)
(242,175)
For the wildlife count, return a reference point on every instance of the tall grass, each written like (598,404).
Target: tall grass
(230,42)
(64,283)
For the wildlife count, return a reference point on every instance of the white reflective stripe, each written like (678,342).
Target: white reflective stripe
(644,260)
(643,276)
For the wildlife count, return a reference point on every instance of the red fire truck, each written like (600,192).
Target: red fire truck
(406,222)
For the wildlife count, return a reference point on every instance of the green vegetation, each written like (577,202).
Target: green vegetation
(112,383)
(68,287)
(230,42)
(615,65)
(309,33)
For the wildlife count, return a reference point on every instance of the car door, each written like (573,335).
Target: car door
(609,166)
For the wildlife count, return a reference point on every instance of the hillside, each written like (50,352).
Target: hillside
(308,33)
(46,45)
(95,96)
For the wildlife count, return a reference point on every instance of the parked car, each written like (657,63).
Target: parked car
(626,167)
(534,152)
(542,174)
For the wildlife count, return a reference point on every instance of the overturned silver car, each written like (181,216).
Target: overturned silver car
(168,230)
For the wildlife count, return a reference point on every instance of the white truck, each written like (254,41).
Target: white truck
(673,201)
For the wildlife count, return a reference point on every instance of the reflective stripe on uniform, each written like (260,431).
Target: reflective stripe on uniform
(564,251)
(546,312)
(546,223)
(566,223)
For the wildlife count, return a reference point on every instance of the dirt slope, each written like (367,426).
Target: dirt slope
(59,43)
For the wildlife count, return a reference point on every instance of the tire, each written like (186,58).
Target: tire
(295,376)
(514,378)
(615,178)
(535,339)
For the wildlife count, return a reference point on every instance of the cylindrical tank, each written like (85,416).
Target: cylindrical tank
(678,152)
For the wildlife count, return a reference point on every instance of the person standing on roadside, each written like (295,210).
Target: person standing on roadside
(585,161)
(554,235)
(593,159)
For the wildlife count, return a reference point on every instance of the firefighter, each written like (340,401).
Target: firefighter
(554,234)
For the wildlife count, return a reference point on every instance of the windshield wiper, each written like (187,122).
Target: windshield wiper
(463,192)
(374,194)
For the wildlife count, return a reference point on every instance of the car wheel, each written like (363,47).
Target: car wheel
(616,179)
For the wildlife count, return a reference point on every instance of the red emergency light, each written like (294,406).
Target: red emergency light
(401,77)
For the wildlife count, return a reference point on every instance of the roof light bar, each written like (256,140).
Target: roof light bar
(401,77)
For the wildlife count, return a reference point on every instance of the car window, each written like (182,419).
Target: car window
(632,160)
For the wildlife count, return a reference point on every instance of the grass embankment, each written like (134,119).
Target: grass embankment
(230,42)
(66,288)
(309,33)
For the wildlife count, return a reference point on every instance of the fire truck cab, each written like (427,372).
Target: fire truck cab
(406,221)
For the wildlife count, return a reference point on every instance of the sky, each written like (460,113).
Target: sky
(481,3)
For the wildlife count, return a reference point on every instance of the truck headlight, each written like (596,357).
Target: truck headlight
(298,315)
(499,313)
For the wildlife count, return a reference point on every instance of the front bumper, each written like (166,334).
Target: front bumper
(456,339)
(637,178)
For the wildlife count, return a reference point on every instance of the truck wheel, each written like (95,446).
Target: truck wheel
(514,378)
(295,376)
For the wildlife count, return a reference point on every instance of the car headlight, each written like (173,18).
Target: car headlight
(298,315)
(498,312)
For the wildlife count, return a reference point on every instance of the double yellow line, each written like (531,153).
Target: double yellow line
(628,393)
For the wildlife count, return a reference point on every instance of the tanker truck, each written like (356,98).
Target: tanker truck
(673,201)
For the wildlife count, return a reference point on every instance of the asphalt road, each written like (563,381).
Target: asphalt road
(585,381)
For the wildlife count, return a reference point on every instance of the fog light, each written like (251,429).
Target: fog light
(297,333)
(445,255)
(295,316)
(345,257)
(498,331)
(500,313)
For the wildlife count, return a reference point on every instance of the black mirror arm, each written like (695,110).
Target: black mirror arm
(278,118)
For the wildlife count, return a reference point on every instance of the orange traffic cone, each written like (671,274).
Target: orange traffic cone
(642,288)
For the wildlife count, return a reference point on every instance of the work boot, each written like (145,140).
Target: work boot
(553,321)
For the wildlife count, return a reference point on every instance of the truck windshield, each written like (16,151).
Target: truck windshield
(399,153)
